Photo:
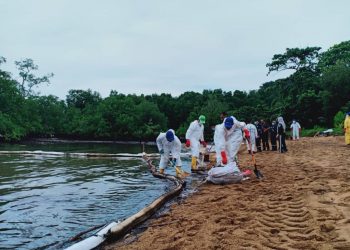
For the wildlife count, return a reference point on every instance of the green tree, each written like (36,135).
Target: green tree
(185,104)
(335,82)
(149,121)
(4,74)
(117,112)
(11,109)
(166,104)
(335,54)
(28,79)
(9,128)
(338,120)
(295,59)
(307,109)
(81,98)
(51,114)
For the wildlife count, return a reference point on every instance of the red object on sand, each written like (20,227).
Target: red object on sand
(247,172)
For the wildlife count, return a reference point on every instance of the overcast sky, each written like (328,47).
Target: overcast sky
(163,46)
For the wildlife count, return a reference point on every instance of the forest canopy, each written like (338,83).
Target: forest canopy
(316,93)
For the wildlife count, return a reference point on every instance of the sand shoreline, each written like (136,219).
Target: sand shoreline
(304,203)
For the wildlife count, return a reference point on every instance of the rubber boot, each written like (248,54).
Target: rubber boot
(194,163)
(161,171)
(179,172)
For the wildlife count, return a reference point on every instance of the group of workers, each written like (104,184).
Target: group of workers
(169,143)
(228,137)
(261,133)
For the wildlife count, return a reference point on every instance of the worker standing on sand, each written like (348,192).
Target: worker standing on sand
(253,134)
(227,139)
(295,127)
(258,138)
(169,143)
(195,137)
(265,135)
(281,135)
(347,128)
(273,133)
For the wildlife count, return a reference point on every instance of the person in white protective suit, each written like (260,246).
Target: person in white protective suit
(228,138)
(253,134)
(295,127)
(169,143)
(195,137)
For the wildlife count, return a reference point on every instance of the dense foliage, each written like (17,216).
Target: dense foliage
(316,94)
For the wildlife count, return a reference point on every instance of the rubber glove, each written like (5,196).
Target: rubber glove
(224,157)
(188,143)
(246,134)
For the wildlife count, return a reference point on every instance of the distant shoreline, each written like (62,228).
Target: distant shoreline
(57,140)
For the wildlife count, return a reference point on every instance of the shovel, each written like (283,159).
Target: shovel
(257,172)
(183,174)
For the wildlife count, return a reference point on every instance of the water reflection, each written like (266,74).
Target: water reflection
(45,200)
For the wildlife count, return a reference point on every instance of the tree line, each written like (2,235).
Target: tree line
(316,93)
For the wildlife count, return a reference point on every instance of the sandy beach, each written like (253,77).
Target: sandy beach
(303,203)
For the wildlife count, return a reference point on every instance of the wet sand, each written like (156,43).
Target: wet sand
(303,203)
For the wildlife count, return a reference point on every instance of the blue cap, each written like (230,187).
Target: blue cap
(228,122)
(169,136)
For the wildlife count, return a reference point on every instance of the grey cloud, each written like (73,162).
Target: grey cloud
(164,46)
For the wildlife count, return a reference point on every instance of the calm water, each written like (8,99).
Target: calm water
(45,200)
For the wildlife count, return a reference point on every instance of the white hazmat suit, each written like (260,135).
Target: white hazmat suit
(253,135)
(195,135)
(295,129)
(166,147)
(228,140)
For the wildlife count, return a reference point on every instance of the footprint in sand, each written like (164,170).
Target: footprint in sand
(219,198)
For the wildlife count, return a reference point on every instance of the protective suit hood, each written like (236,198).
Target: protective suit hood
(170,135)
(228,123)
(281,121)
